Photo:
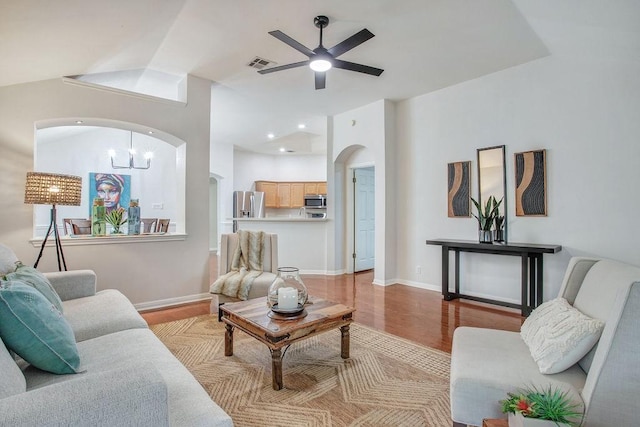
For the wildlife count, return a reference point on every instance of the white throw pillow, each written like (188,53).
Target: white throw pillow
(7,260)
(558,335)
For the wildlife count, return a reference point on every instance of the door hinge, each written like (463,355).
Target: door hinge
(354,179)
(354,255)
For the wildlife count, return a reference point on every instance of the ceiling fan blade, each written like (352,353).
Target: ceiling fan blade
(321,79)
(348,44)
(291,42)
(283,67)
(352,66)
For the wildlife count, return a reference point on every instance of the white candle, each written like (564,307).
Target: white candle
(287,298)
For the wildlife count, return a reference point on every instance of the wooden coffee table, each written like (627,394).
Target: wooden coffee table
(252,317)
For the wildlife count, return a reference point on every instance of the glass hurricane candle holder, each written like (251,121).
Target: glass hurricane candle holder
(287,294)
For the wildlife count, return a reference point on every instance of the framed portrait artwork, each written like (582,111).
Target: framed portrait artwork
(531,183)
(459,184)
(115,189)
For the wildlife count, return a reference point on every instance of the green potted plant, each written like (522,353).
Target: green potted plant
(486,217)
(533,407)
(116,219)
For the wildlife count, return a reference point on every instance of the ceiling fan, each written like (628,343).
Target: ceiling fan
(322,59)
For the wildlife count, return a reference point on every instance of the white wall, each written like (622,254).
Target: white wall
(250,167)
(581,104)
(144,272)
(373,127)
(221,167)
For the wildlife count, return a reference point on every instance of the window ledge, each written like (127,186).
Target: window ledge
(109,240)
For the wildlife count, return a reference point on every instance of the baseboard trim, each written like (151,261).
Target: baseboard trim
(419,285)
(163,303)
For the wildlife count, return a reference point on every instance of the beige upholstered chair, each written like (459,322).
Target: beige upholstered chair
(163,226)
(80,222)
(148,225)
(79,226)
(260,286)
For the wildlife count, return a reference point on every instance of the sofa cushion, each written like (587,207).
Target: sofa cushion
(7,260)
(33,328)
(558,335)
(105,312)
(189,404)
(481,375)
(12,379)
(35,279)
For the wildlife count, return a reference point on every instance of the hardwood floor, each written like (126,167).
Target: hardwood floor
(415,314)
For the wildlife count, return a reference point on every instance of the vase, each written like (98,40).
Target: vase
(98,223)
(518,420)
(485,236)
(498,235)
(133,218)
(287,294)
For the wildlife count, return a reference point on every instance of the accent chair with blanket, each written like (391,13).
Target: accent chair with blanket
(247,265)
(586,343)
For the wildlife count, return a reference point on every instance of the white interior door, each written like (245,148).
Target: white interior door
(364,218)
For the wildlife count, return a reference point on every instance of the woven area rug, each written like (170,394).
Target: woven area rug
(387,381)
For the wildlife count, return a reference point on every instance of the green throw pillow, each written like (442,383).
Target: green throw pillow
(37,280)
(35,330)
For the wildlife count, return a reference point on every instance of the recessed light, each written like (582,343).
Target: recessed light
(270,136)
(282,149)
(150,132)
(302,126)
(79,122)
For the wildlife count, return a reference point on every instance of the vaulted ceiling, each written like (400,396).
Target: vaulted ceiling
(423,46)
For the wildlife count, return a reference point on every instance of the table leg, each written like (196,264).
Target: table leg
(344,343)
(532,282)
(524,295)
(456,272)
(539,280)
(276,369)
(445,274)
(228,341)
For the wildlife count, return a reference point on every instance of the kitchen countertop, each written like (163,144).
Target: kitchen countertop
(282,219)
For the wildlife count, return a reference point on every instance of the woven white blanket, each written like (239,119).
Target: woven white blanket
(246,265)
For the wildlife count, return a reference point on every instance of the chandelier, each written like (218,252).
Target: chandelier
(147,156)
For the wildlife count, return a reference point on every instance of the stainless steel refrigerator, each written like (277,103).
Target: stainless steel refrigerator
(247,204)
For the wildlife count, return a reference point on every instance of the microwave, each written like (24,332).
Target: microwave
(315,201)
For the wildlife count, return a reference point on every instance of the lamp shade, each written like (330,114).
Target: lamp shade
(52,189)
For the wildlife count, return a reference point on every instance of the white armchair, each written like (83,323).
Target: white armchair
(260,285)
(486,363)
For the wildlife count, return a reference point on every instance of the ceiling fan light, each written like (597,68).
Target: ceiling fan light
(320,65)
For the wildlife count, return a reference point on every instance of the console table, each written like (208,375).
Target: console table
(531,267)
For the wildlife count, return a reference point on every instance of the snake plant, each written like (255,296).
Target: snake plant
(487,215)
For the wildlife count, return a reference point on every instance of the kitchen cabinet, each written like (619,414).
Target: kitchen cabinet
(284,195)
(288,194)
(310,188)
(270,190)
(297,194)
(315,188)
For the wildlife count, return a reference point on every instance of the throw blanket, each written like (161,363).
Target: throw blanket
(246,265)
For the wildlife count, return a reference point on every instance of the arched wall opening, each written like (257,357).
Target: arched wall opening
(351,157)
(68,147)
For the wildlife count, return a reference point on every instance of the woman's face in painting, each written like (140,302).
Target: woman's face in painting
(110,194)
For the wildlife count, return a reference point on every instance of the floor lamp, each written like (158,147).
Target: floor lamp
(52,189)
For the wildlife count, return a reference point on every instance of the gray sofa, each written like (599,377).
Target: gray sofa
(487,363)
(130,377)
